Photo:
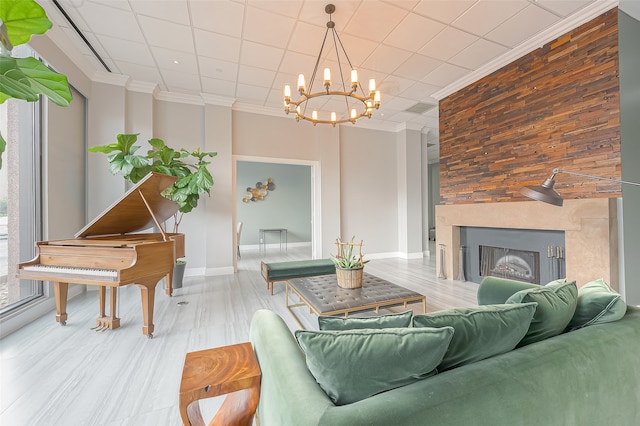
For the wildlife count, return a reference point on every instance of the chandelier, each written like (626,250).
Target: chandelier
(356,105)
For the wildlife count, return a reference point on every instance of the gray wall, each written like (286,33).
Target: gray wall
(629,34)
(288,206)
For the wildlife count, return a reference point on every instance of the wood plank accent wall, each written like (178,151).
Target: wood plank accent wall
(558,106)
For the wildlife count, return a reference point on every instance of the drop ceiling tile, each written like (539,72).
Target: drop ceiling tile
(413,32)
(420,92)
(100,19)
(297,63)
(386,59)
(72,11)
(522,26)
(286,8)
(267,28)
(166,60)
(276,100)
(393,85)
(219,46)
(259,55)
(563,7)
(251,94)
(255,76)
(218,69)
(374,20)
(486,15)
(306,38)
(140,72)
(447,44)
(358,49)
(128,51)
(478,54)
(398,103)
(416,67)
(218,87)
(176,80)
(222,17)
(81,45)
(167,34)
(445,11)
(445,74)
(312,12)
(167,10)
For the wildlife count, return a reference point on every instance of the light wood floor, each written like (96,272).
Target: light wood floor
(54,375)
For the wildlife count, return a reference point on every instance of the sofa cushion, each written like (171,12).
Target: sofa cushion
(597,304)
(400,320)
(352,365)
(556,305)
(480,332)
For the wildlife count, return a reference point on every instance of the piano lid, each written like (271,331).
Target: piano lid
(130,214)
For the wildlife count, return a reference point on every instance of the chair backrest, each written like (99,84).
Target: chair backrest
(238,231)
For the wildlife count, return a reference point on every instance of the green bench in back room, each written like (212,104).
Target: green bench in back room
(283,271)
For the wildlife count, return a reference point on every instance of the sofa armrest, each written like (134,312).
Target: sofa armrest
(494,290)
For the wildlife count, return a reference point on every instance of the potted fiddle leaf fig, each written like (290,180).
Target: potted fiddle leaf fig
(349,266)
(191,168)
(26,78)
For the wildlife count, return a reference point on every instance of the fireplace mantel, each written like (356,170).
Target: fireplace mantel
(590,226)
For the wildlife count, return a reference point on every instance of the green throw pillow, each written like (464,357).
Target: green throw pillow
(556,305)
(480,332)
(597,304)
(353,365)
(400,320)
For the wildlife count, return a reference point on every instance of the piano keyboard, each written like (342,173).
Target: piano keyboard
(102,273)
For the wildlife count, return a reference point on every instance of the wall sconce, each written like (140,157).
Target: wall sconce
(547,194)
(259,192)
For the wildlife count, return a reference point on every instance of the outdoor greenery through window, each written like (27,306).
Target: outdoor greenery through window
(20,209)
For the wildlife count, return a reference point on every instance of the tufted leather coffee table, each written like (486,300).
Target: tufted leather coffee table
(323,296)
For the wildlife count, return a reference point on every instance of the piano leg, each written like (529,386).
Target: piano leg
(60,290)
(169,283)
(103,321)
(147,293)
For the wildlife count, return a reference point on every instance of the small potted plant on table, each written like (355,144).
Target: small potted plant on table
(349,266)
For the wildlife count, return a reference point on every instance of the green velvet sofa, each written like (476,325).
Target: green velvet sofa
(589,376)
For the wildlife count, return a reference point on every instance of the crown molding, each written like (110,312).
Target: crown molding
(142,87)
(594,10)
(110,78)
(217,100)
(180,98)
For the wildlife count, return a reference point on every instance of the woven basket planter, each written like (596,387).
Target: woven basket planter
(349,278)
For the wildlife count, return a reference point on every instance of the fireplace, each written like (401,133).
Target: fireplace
(520,254)
(588,249)
(522,265)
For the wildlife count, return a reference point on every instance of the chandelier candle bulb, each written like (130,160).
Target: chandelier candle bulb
(372,85)
(301,83)
(287,92)
(354,114)
(354,77)
(333,116)
(314,115)
(376,99)
(327,77)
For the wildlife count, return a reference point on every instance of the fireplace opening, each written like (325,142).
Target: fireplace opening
(503,262)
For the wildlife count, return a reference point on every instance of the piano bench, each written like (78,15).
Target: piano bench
(283,271)
(213,372)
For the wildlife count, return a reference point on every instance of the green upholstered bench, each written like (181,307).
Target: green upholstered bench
(283,271)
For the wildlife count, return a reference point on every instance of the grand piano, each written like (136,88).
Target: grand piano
(112,252)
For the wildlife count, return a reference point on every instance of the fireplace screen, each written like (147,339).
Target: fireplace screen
(504,262)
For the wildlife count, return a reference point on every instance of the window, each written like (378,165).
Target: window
(20,207)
